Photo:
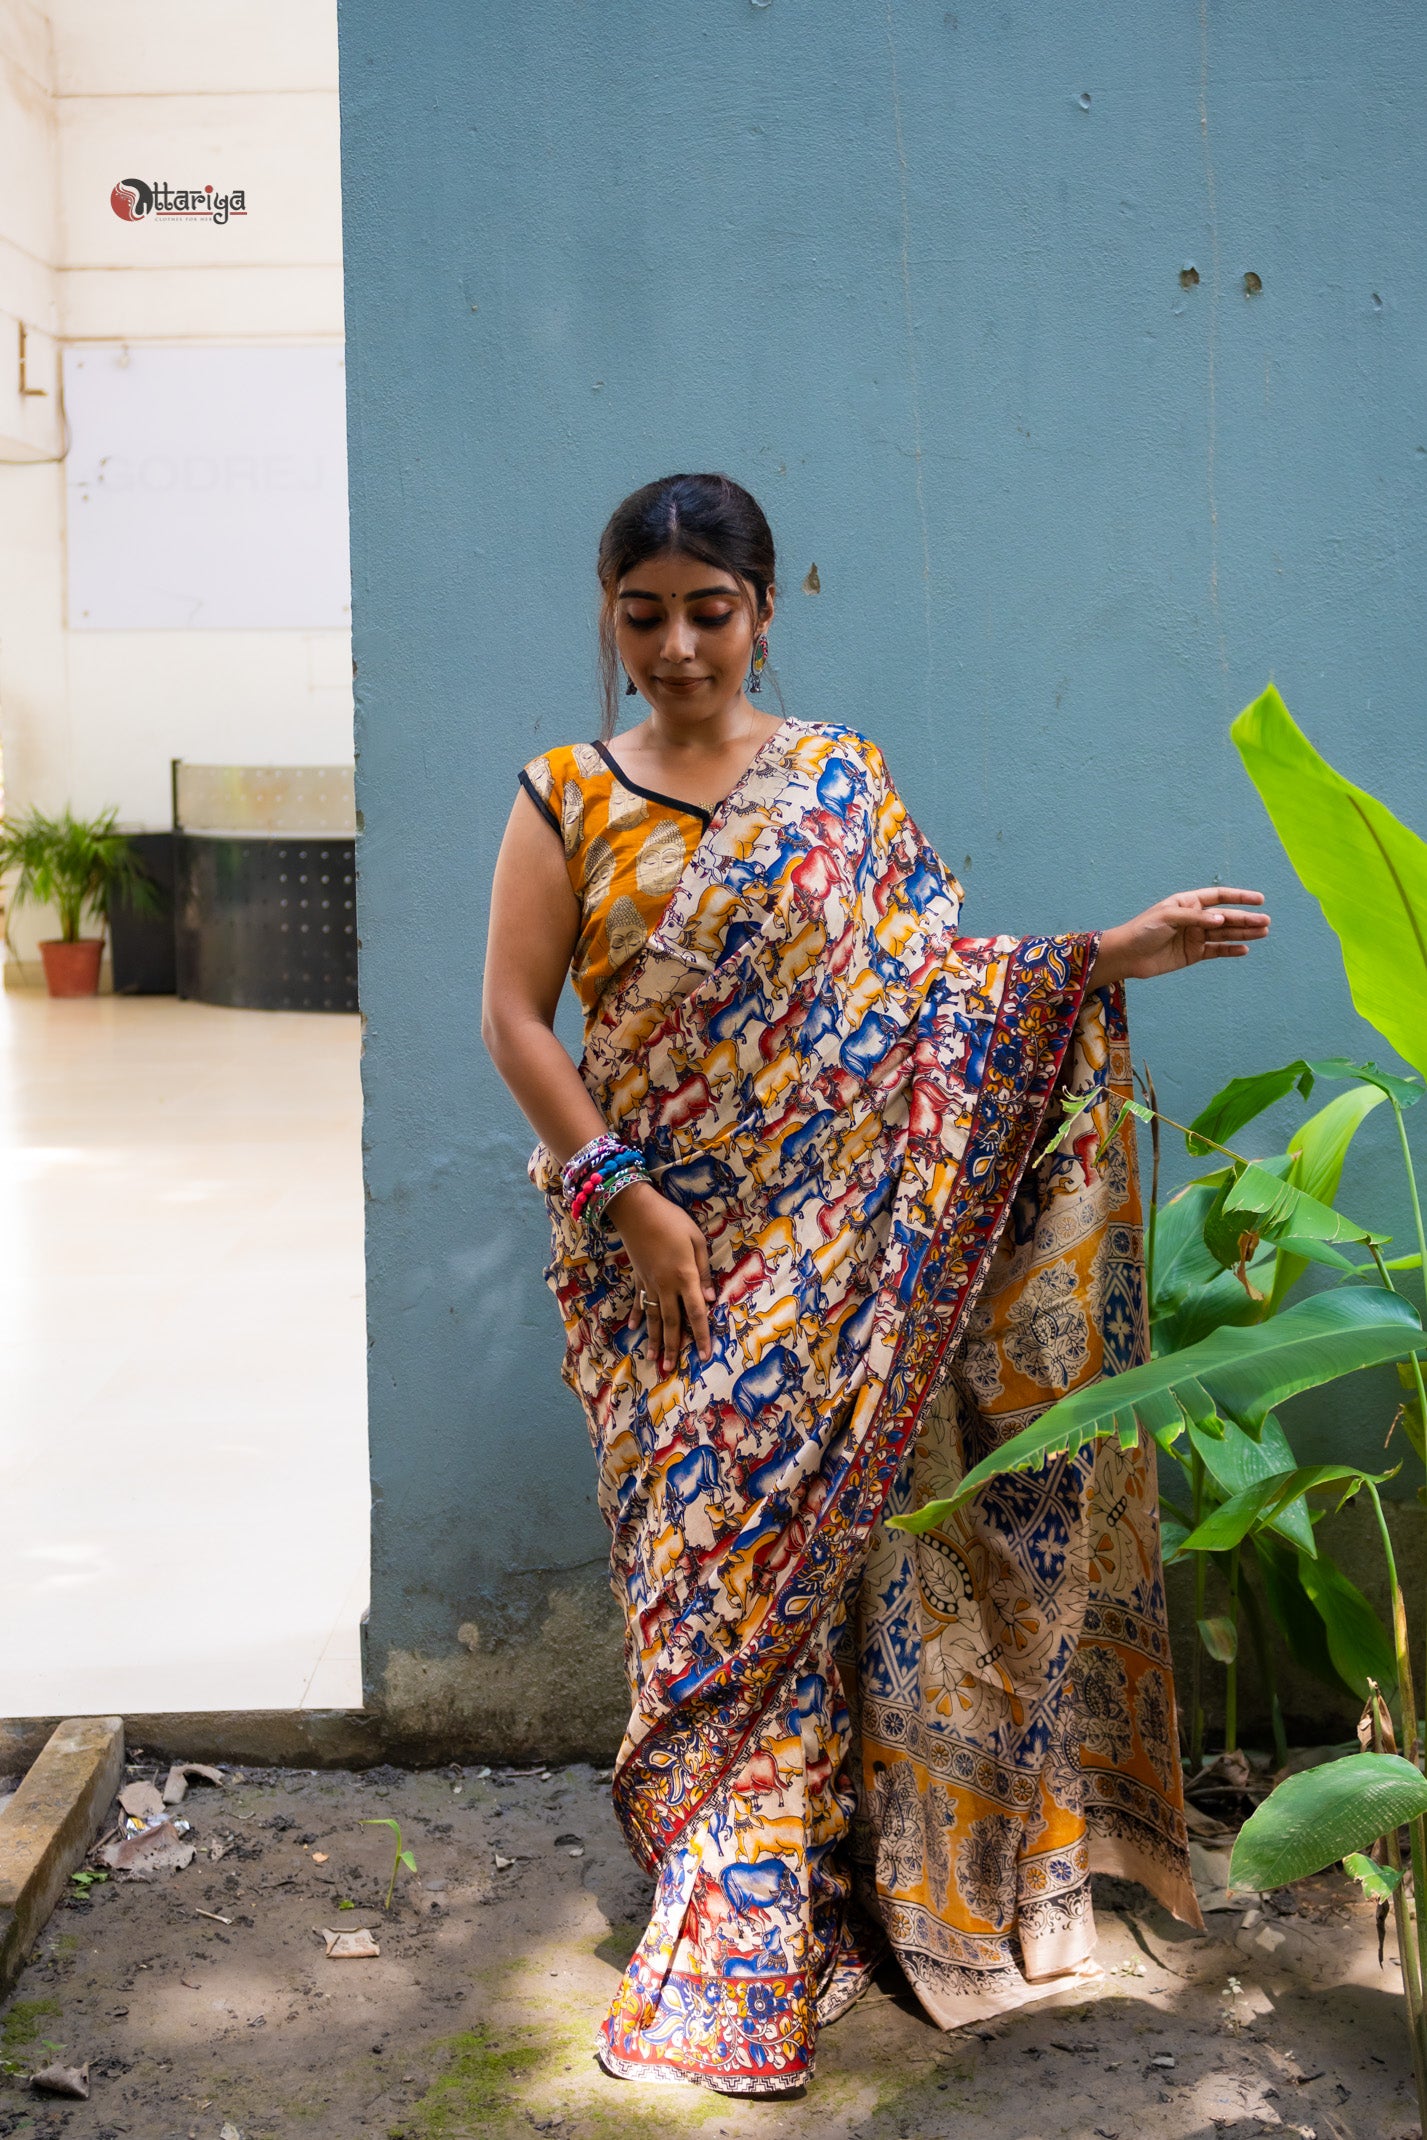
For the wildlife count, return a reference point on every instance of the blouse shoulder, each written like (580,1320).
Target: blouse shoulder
(557,783)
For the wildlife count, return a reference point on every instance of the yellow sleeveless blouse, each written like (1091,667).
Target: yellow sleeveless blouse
(626,847)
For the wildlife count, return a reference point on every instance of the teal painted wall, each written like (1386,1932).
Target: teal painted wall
(917,276)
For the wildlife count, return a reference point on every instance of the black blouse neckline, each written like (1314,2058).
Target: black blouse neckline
(670,802)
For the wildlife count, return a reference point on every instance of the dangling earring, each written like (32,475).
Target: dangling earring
(629,686)
(760,655)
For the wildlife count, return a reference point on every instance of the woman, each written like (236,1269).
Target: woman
(810,1266)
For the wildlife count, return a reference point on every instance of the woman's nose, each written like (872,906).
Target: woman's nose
(678,640)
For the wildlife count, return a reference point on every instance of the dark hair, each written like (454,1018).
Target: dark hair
(709,517)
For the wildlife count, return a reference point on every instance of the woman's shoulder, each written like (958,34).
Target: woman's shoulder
(558,781)
(566,761)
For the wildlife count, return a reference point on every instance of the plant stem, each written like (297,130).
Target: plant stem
(1231,1669)
(1411,1183)
(1407,1740)
(1196,1670)
(1407,1945)
(1263,1652)
(1154,1189)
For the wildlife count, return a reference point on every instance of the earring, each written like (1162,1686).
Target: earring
(760,655)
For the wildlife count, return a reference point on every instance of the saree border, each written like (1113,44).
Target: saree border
(1041,1007)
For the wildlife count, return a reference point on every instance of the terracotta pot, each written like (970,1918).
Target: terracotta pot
(73,969)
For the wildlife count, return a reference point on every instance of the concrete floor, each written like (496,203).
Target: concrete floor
(182,1358)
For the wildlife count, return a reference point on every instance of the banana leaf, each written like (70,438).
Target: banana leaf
(1366,869)
(1193,1293)
(1314,1819)
(1295,1615)
(1244,1373)
(1234,1460)
(1258,1503)
(1318,1148)
(1244,1098)
(1358,1643)
(1278,1208)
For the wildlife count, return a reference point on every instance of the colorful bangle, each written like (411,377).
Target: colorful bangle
(594,1184)
(607,1190)
(587,1159)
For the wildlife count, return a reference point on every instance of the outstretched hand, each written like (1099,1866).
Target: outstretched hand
(1180,931)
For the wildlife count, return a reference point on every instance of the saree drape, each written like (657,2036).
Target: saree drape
(840,1736)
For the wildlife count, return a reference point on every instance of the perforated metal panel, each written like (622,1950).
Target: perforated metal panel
(267,923)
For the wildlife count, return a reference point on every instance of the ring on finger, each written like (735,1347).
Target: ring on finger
(648,1302)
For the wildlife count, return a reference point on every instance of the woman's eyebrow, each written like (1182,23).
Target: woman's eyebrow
(696,594)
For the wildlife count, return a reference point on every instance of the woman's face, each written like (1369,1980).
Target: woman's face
(685,635)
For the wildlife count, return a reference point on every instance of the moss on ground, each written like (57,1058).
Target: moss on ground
(23,2023)
(498,2081)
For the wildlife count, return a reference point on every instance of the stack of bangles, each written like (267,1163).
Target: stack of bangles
(593,1178)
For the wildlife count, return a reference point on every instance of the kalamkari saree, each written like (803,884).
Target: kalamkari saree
(841,1736)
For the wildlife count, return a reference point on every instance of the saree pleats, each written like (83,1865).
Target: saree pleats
(847,1095)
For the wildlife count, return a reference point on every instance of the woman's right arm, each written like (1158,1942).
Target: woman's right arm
(534,925)
(535,919)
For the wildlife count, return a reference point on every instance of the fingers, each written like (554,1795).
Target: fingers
(664,1329)
(696,1308)
(1223,895)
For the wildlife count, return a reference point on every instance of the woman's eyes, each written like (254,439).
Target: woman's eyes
(708,619)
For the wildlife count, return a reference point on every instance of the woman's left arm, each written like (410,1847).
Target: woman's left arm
(1180,931)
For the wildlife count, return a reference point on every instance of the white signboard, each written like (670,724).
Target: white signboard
(207,487)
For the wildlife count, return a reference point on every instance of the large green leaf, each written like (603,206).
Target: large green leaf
(1279,1210)
(1241,1100)
(1258,1504)
(1295,1615)
(1224,1230)
(1244,1372)
(1366,869)
(1315,1818)
(1318,1148)
(1244,1098)
(1193,1293)
(1358,1643)
(1234,1460)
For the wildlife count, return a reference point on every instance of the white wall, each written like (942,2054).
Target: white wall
(240,93)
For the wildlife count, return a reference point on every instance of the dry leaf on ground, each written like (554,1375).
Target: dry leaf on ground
(350,1946)
(180,1775)
(141,1801)
(149,1855)
(62,2080)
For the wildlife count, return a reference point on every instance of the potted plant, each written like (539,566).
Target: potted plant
(76,865)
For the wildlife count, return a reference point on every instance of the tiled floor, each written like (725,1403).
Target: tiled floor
(183,1473)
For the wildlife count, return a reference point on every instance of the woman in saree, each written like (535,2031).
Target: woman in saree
(812,1262)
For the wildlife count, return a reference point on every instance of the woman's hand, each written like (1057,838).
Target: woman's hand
(1180,931)
(671,1269)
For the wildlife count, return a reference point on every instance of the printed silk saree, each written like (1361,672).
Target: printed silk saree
(842,1736)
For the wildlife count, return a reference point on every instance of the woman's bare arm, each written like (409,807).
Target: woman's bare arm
(535,920)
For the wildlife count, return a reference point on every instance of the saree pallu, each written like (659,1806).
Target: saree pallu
(847,1094)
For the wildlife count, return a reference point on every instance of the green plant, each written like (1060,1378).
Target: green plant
(76,865)
(402,1857)
(1230,1249)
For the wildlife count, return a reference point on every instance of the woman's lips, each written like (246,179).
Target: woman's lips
(680,683)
